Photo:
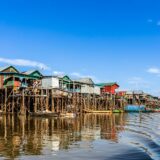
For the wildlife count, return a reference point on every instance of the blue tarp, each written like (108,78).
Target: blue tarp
(134,108)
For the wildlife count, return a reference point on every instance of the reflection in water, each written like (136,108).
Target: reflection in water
(102,126)
(22,137)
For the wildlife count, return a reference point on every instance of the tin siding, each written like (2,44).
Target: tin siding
(87,89)
(97,90)
(50,83)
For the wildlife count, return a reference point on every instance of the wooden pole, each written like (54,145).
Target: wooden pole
(88,104)
(53,110)
(35,104)
(5,101)
(29,103)
(47,100)
(41,100)
(13,102)
(22,104)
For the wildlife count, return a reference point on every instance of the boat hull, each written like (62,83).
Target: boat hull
(135,108)
(118,111)
(44,114)
(68,115)
(156,110)
(96,111)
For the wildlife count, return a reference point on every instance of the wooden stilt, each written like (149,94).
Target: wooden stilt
(22,110)
(52,105)
(13,102)
(5,101)
(47,100)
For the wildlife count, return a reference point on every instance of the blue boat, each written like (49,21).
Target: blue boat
(135,108)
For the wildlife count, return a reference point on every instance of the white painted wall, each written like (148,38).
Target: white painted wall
(87,89)
(97,90)
(55,83)
(49,83)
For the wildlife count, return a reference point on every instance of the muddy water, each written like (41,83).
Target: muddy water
(106,137)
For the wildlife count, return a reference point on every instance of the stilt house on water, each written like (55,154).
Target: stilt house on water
(87,85)
(61,82)
(108,88)
(34,93)
(141,98)
(10,77)
(65,83)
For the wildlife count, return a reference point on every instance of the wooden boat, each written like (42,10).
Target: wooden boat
(97,111)
(135,108)
(148,110)
(44,114)
(118,111)
(156,110)
(68,115)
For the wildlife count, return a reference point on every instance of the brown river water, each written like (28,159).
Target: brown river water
(131,136)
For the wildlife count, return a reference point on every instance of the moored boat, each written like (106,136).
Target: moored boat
(97,111)
(44,114)
(135,108)
(118,111)
(147,110)
(156,110)
(68,115)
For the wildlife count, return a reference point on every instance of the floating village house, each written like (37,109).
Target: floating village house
(141,98)
(10,77)
(83,85)
(108,88)
(87,85)
(121,93)
(61,82)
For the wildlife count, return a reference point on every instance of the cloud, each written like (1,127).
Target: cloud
(24,62)
(76,74)
(154,70)
(79,75)
(138,83)
(58,73)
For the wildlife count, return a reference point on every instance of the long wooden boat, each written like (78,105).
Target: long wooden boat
(44,114)
(97,111)
(68,115)
(156,110)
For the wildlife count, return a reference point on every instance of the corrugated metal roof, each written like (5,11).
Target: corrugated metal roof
(17,75)
(29,72)
(58,76)
(106,84)
(86,81)
(135,92)
(6,67)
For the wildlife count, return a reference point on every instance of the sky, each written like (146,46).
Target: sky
(107,40)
